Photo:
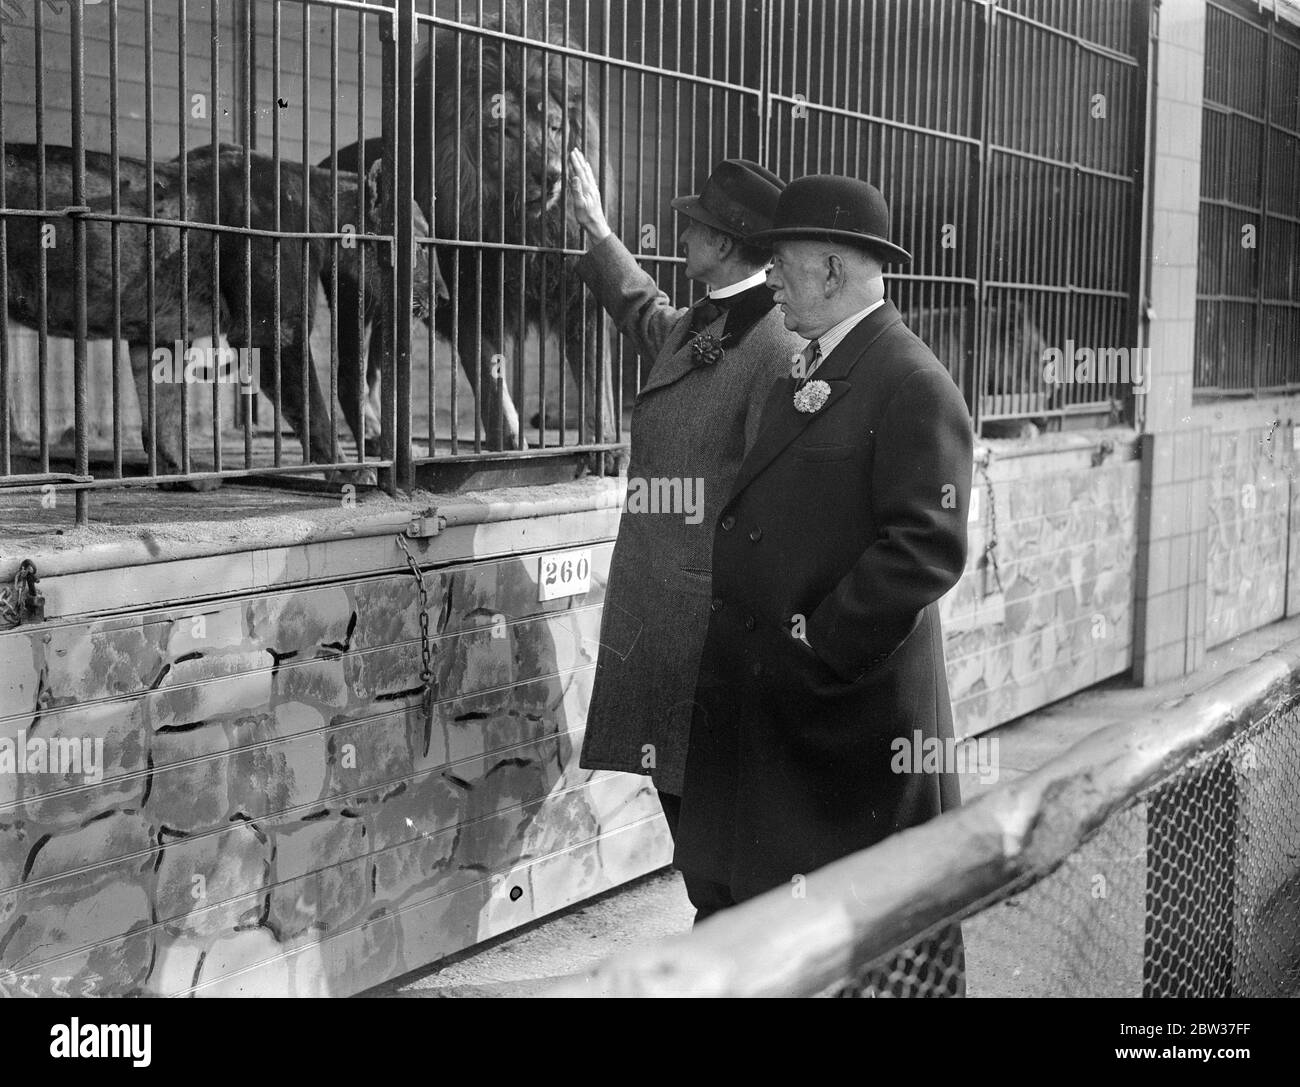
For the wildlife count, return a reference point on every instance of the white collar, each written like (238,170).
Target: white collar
(833,336)
(737,288)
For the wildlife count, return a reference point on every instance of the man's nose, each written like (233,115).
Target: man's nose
(773,280)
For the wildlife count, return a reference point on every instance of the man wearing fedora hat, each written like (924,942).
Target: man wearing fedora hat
(845,525)
(710,369)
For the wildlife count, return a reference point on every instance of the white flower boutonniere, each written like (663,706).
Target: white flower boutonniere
(812,396)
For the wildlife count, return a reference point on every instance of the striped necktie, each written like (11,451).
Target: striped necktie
(812,358)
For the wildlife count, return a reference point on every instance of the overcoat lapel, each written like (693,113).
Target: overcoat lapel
(782,422)
(676,359)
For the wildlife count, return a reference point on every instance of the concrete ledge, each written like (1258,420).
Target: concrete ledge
(82,574)
(1074,448)
(81,550)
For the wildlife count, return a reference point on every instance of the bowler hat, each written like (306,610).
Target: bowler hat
(828,207)
(739,198)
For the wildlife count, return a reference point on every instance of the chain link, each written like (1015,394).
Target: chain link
(1287,469)
(23,600)
(426,652)
(991,546)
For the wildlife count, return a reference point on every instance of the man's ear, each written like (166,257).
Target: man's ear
(834,267)
(726,245)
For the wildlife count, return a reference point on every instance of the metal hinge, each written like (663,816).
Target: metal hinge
(426,524)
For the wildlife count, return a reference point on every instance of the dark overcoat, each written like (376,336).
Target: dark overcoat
(690,422)
(854,518)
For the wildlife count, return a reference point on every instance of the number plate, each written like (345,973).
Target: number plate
(563,573)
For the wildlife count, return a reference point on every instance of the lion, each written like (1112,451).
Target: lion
(184,304)
(295,329)
(497,178)
(32,302)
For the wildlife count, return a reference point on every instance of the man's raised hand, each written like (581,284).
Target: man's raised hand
(587,207)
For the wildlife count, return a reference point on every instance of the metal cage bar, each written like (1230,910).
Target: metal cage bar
(1023,216)
(1247,300)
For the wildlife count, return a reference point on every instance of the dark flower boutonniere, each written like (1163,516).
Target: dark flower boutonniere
(706,348)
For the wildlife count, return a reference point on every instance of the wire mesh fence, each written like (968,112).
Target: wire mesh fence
(1191,890)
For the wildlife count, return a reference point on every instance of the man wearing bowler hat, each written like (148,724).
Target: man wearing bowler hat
(710,369)
(845,525)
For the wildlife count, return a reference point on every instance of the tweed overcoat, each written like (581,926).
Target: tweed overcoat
(690,422)
(853,517)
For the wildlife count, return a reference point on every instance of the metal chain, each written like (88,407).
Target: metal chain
(1287,469)
(991,547)
(22,599)
(426,652)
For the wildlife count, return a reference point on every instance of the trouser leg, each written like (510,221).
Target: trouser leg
(672,806)
(706,895)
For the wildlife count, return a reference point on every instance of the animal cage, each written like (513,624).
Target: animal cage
(293,178)
(1247,290)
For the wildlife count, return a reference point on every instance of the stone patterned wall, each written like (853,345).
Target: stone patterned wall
(1250,497)
(275,817)
(1062,617)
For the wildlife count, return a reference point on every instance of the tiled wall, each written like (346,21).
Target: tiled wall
(1058,614)
(1171,579)
(1249,518)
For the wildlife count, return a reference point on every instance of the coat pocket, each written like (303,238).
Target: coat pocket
(808,665)
(823,452)
(695,582)
(879,664)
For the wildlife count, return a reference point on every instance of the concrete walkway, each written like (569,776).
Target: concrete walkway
(524,962)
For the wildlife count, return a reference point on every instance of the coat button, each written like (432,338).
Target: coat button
(749,622)
(716,605)
(757,668)
(756,535)
(728,523)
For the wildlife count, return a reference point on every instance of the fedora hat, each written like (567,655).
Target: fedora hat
(828,207)
(739,198)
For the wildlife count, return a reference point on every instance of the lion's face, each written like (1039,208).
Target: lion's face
(526,136)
